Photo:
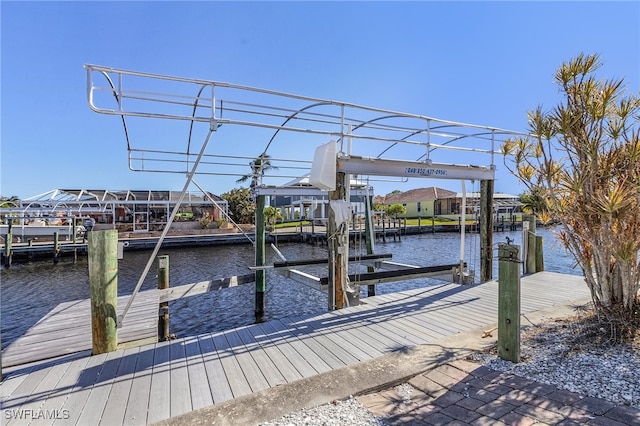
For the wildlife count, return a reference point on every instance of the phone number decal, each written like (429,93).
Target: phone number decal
(425,171)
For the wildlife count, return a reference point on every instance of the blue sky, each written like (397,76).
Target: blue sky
(484,63)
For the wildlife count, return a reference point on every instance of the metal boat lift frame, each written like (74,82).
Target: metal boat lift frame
(419,144)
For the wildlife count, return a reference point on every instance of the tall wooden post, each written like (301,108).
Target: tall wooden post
(8,240)
(530,241)
(103,282)
(56,247)
(260,257)
(74,230)
(163,284)
(486,230)
(369,239)
(539,254)
(508,303)
(337,242)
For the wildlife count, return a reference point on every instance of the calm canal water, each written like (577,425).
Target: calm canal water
(29,290)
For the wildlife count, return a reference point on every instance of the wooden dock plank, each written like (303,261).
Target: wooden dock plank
(55,402)
(363,350)
(97,400)
(235,375)
(370,345)
(343,347)
(252,371)
(32,402)
(283,363)
(160,396)
(219,386)
(150,383)
(24,390)
(267,366)
(66,329)
(281,331)
(179,376)
(304,335)
(11,380)
(137,406)
(301,364)
(198,381)
(383,327)
(78,396)
(390,342)
(114,411)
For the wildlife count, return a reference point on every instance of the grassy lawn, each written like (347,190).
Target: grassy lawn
(293,224)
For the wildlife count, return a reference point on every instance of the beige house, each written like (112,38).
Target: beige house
(432,201)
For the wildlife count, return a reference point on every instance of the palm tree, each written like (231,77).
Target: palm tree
(7,203)
(258,166)
(533,202)
(583,160)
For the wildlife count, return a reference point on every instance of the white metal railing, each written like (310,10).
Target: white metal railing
(374,132)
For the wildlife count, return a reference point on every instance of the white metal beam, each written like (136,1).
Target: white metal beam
(302,191)
(382,167)
(303,278)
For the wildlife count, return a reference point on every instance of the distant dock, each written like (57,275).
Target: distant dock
(302,234)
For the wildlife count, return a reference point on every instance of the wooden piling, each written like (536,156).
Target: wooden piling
(56,247)
(508,303)
(369,240)
(486,230)
(74,229)
(530,260)
(103,283)
(163,313)
(539,254)
(8,240)
(338,243)
(260,250)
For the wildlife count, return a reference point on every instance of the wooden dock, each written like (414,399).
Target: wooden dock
(150,383)
(66,330)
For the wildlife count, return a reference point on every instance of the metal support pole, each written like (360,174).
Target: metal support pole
(167,226)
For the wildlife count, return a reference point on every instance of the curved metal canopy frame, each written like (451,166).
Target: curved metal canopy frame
(261,109)
(257,108)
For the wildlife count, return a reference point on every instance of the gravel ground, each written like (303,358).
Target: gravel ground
(563,353)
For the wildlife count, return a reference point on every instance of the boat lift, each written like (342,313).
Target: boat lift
(407,146)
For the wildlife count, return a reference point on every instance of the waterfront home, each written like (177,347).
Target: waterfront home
(125,210)
(439,202)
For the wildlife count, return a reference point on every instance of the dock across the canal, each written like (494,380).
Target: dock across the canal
(384,340)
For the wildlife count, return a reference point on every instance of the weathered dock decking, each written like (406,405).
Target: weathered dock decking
(66,329)
(150,383)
